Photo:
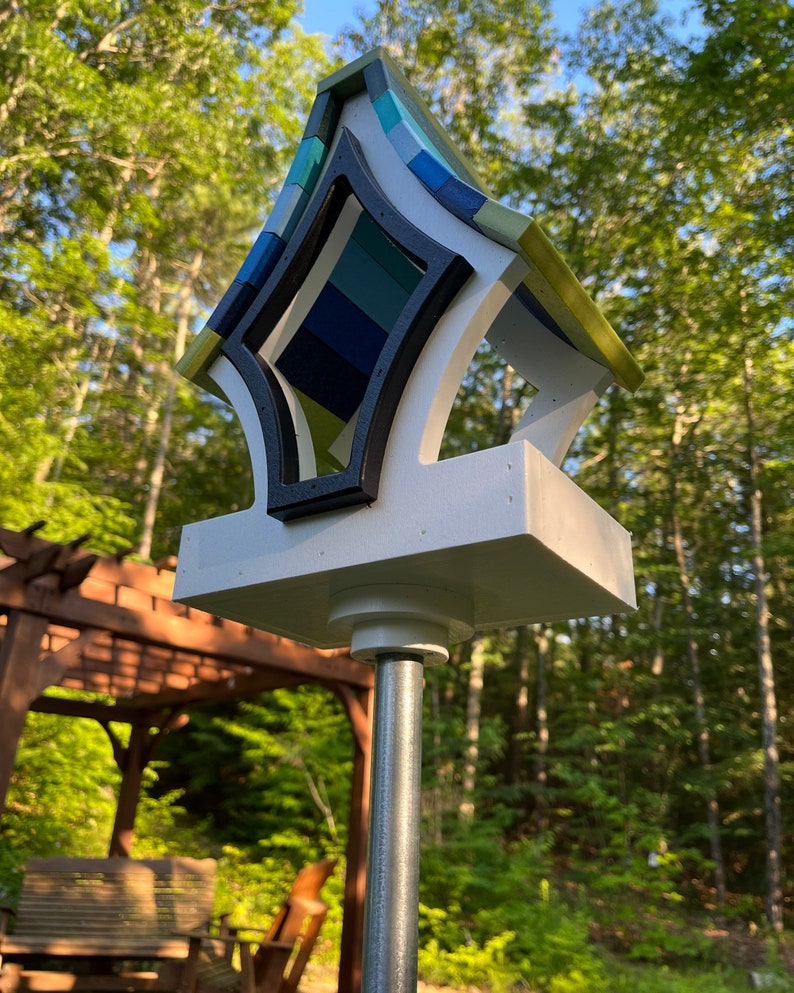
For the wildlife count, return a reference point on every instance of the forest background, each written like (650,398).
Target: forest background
(598,794)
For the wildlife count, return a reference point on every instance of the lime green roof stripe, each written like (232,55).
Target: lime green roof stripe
(200,353)
(559,291)
(501,224)
(564,285)
(198,357)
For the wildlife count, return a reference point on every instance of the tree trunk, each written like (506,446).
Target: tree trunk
(774,884)
(701,724)
(693,652)
(515,769)
(166,419)
(473,711)
(541,777)
(437,806)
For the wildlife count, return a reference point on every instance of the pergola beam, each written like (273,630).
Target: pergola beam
(224,642)
(97,623)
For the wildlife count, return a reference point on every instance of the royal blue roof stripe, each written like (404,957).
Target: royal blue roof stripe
(262,259)
(429,170)
(461,199)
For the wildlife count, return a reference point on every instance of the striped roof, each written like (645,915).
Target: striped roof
(552,291)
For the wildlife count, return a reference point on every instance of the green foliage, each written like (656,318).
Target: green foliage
(274,776)
(63,793)
(662,979)
(502,921)
(140,149)
(62,799)
(469,964)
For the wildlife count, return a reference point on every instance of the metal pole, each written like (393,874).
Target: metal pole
(391,915)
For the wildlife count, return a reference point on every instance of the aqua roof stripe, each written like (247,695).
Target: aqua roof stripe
(308,164)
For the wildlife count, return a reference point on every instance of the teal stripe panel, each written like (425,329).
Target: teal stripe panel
(390,112)
(307,165)
(388,255)
(372,289)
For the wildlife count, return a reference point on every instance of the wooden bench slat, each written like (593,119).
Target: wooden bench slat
(112,910)
(92,947)
(61,982)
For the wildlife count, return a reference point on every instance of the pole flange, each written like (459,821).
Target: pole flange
(401,619)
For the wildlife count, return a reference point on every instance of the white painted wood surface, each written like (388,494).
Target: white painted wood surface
(504,529)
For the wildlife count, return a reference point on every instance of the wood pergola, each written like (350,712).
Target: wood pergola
(102,625)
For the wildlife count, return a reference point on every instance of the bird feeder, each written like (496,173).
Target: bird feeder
(341,346)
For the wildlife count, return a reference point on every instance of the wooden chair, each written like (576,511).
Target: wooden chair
(274,963)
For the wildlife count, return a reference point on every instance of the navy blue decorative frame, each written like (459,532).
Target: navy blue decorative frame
(445,272)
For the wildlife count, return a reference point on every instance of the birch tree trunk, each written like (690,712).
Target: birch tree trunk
(766,671)
(541,775)
(681,424)
(521,709)
(166,418)
(473,712)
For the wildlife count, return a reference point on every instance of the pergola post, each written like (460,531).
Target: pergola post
(359,710)
(19,685)
(132,761)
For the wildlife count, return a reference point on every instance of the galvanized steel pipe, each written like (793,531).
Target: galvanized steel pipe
(391,917)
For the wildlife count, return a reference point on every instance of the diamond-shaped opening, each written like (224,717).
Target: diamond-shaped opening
(325,347)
